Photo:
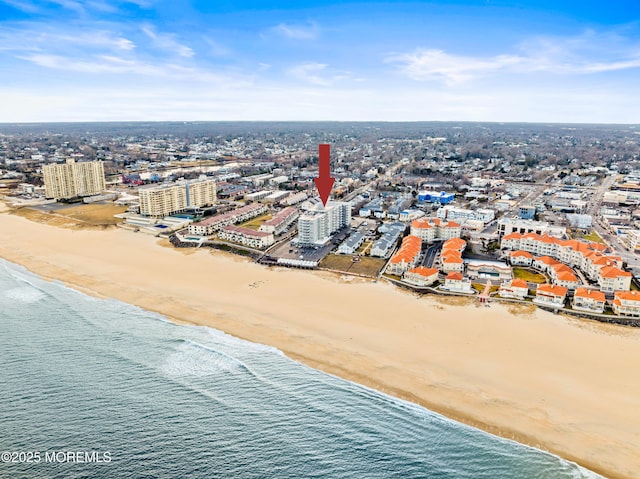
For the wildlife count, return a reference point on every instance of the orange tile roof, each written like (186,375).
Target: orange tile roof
(511,236)
(552,289)
(454,243)
(423,271)
(547,260)
(409,250)
(613,272)
(590,293)
(519,283)
(455,276)
(451,224)
(628,295)
(421,223)
(567,276)
(520,252)
(452,259)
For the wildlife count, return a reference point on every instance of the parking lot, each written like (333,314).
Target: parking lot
(288,251)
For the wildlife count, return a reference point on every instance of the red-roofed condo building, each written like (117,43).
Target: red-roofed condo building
(550,295)
(246,237)
(421,276)
(589,257)
(406,257)
(589,300)
(516,289)
(627,303)
(432,229)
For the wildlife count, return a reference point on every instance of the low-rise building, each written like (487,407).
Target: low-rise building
(506,226)
(478,269)
(352,243)
(612,278)
(520,258)
(406,257)
(550,295)
(451,255)
(432,229)
(421,276)
(280,221)
(383,246)
(626,303)
(246,237)
(215,223)
(515,289)
(455,282)
(590,300)
(294,199)
(632,241)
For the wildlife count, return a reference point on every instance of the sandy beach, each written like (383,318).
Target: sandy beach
(565,385)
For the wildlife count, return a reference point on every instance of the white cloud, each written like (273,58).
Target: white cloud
(162,72)
(310,72)
(587,54)
(317,74)
(297,32)
(37,37)
(167,42)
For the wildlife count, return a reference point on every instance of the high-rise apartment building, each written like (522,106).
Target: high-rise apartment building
(316,225)
(164,200)
(71,179)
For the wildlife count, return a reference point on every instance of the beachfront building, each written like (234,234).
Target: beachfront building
(421,276)
(626,303)
(406,257)
(588,257)
(612,278)
(280,222)
(589,300)
(352,243)
(515,289)
(432,229)
(451,255)
(455,282)
(520,258)
(72,180)
(246,237)
(550,295)
(316,225)
(507,226)
(215,223)
(158,201)
(485,269)
(560,273)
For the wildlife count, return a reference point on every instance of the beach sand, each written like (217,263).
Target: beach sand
(565,385)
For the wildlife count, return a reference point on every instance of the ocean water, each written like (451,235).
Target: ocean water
(135,396)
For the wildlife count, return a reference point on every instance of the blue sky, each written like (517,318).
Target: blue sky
(491,60)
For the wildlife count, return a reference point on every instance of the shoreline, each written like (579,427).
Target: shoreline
(442,379)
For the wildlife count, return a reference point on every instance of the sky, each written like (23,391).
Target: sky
(200,60)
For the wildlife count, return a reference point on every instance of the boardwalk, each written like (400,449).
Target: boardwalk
(484,296)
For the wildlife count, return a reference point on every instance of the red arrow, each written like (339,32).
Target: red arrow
(324,181)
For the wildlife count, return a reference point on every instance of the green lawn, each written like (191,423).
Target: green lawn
(529,276)
(593,236)
(255,223)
